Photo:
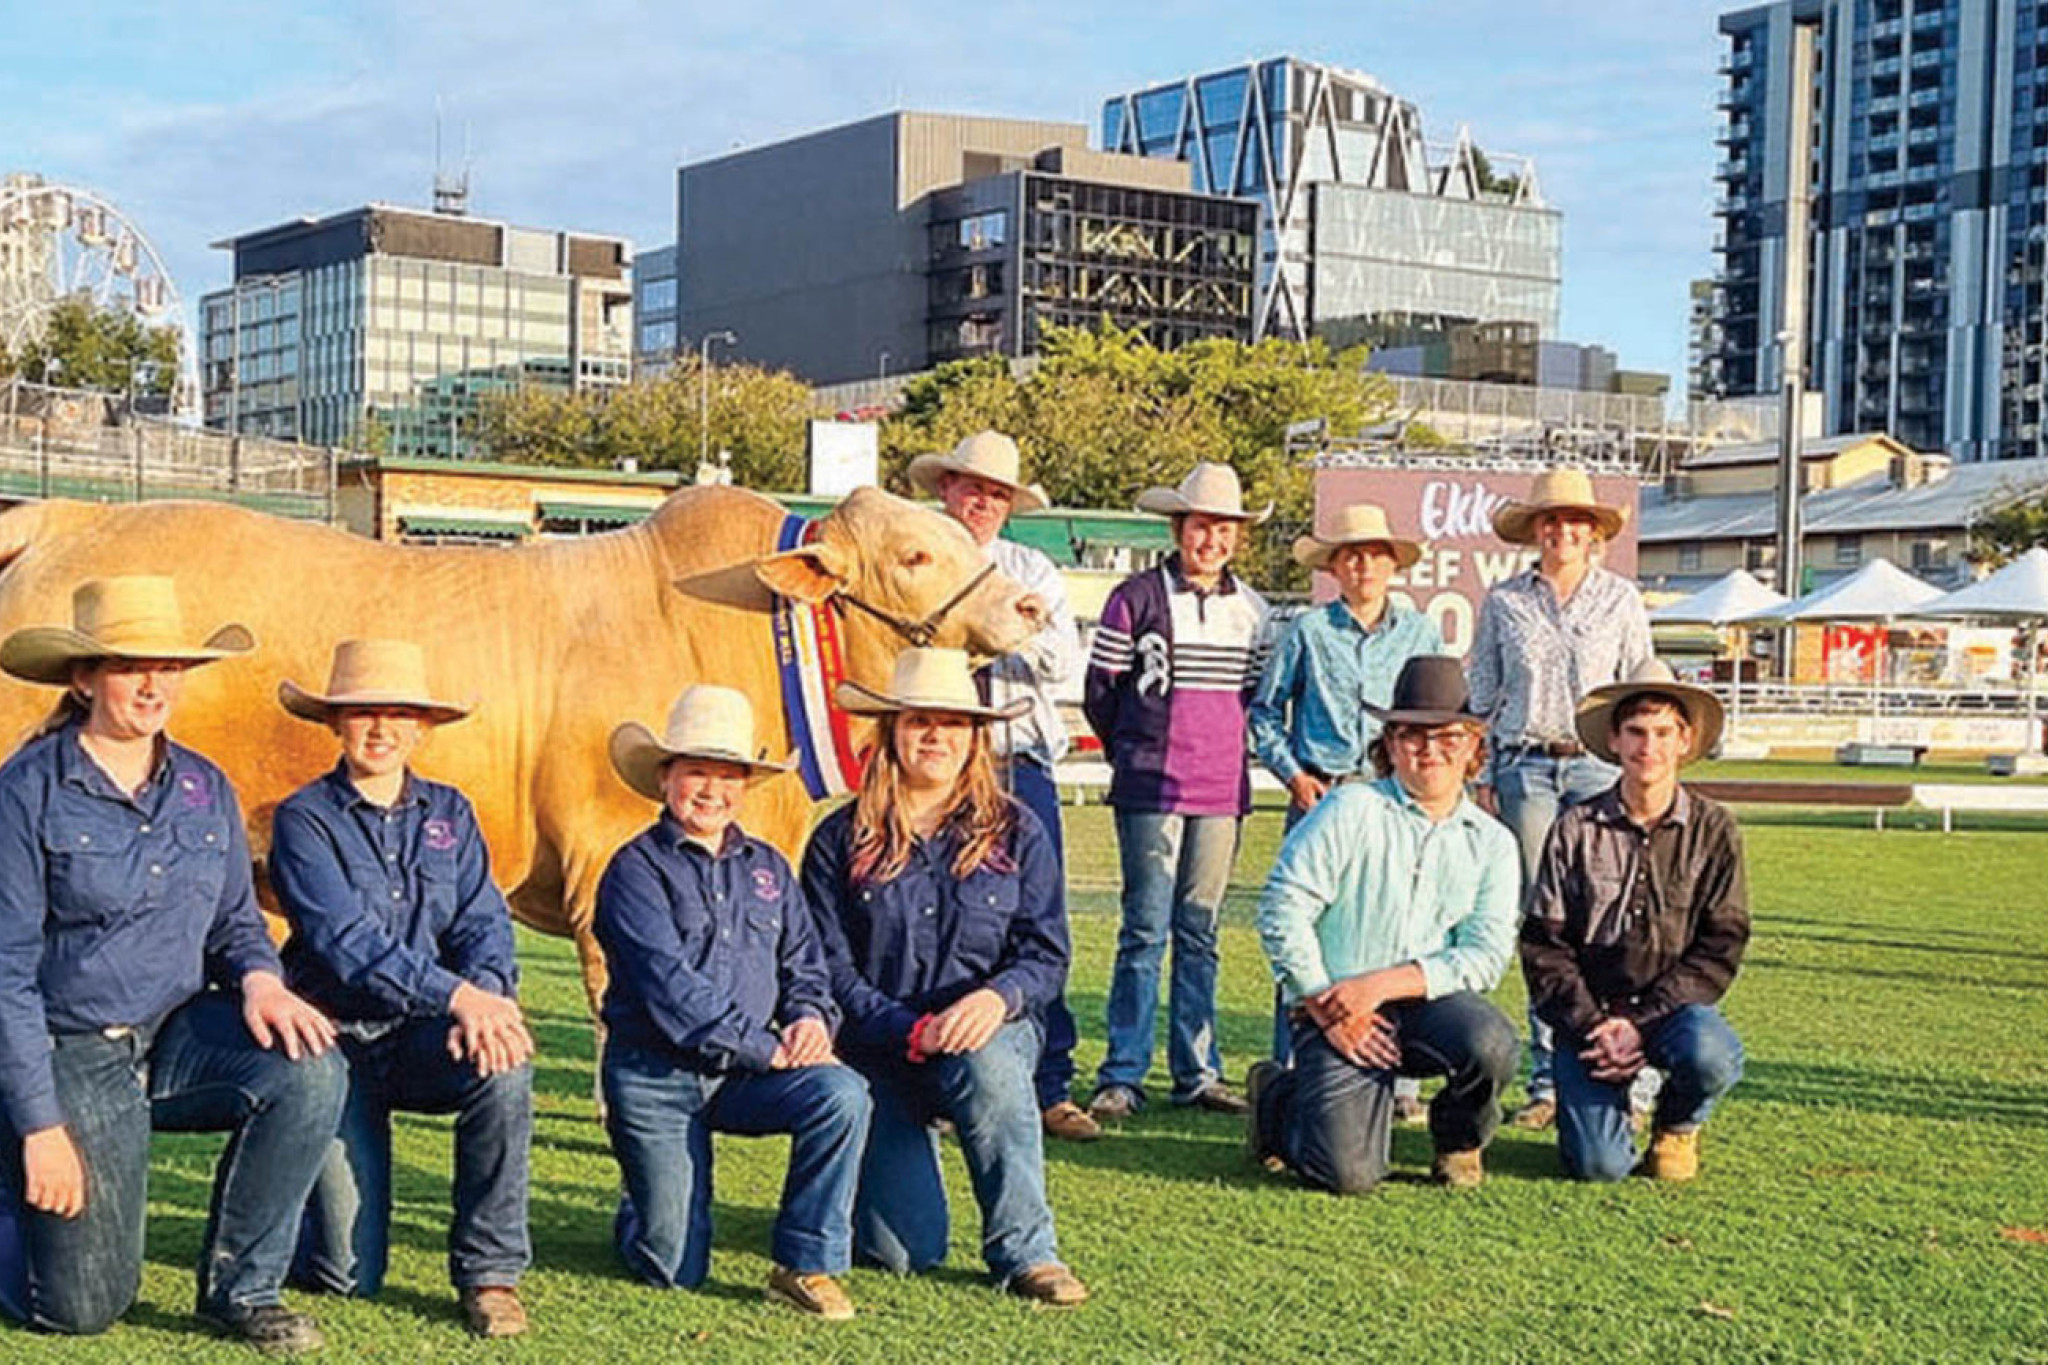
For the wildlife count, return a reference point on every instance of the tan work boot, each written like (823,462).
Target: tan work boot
(493,1310)
(1459,1170)
(1673,1155)
(1534,1116)
(818,1295)
(1051,1284)
(1069,1122)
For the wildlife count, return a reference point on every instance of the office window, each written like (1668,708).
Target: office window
(1848,552)
(1689,556)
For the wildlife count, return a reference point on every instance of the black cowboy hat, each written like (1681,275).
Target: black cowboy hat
(1430,691)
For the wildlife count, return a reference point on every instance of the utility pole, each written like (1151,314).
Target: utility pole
(1792,339)
(704,390)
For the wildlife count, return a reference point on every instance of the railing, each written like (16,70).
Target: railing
(1851,699)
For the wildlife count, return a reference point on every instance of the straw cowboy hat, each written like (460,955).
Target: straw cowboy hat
(986,455)
(383,673)
(133,616)
(1556,490)
(707,721)
(1361,523)
(1430,691)
(1702,709)
(1209,487)
(928,680)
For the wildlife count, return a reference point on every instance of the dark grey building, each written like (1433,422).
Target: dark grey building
(1928,314)
(909,239)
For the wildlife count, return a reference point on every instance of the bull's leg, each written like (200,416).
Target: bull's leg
(582,869)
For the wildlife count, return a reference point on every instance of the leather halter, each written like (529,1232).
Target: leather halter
(920,633)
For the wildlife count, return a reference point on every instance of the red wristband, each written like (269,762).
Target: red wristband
(915,1051)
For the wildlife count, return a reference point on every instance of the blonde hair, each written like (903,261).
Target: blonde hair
(978,808)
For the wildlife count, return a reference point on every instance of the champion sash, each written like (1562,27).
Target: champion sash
(812,664)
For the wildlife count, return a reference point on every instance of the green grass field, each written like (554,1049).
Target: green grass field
(1874,1190)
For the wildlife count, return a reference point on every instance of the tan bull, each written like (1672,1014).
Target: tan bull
(558,642)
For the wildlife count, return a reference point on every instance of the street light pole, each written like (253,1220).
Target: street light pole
(704,390)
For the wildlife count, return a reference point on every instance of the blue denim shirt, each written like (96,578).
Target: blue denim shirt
(706,950)
(391,909)
(1309,709)
(114,910)
(913,945)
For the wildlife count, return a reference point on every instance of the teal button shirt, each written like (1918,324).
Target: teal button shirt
(1368,881)
(1309,709)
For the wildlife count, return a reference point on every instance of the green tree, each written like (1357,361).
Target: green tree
(102,348)
(2010,531)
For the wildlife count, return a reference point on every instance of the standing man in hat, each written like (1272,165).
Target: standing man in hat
(1546,637)
(1390,911)
(400,935)
(1309,718)
(1636,928)
(981,485)
(1169,677)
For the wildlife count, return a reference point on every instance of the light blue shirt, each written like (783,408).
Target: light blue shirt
(1309,710)
(1368,881)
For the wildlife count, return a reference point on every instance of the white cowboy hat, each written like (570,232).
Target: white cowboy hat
(1209,487)
(707,721)
(1556,490)
(384,673)
(928,680)
(1702,709)
(985,455)
(1361,523)
(133,616)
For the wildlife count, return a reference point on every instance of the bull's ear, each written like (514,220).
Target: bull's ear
(809,573)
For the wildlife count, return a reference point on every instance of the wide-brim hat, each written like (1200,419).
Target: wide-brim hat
(985,455)
(1360,523)
(1211,488)
(1431,690)
(928,680)
(707,721)
(1703,710)
(1566,489)
(130,616)
(367,673)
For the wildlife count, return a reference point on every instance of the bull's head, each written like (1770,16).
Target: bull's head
(910,575)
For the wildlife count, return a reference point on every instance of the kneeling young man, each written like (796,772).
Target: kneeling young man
(1636,928)
(1391,908)
(721,1015)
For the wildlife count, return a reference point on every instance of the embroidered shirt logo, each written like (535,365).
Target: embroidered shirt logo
(767,886)
(193,794)
(1155,671)
(439,835)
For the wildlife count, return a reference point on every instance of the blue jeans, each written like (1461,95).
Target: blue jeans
(661,1114)
(1530,788)
(201,1071)
(1175,870)
(1331,1120)
(346,1244)
(1054,1081)
(900,1220)
(1702,1060)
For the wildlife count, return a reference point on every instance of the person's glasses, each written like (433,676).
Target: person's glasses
(1450,740)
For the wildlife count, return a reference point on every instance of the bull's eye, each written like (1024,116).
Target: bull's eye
(917,559)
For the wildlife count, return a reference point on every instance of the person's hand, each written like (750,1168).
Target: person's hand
(1483,797)
(489,1031)
(276,1018)
(807,1042)
(1358,995)
(1614,1051)
(967,1024)
(53,1173)
(1305,789)
(1364,1040)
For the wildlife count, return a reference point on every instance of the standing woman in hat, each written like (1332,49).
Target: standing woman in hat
(1170,673)
(980,484)
(944,919)
(1546,637)
(720,1014)
(124,888)
(1310,718)
(401,936)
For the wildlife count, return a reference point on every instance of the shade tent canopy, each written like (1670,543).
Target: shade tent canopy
(1879,591)
(2017,592)
(1723,601)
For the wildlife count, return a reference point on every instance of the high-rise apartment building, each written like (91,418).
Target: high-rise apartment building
(1928,312)
(395,321)
(1364,225)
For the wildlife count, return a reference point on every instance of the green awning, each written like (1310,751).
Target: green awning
(595,513)
(1135,531)
(468,528)
(1048,535)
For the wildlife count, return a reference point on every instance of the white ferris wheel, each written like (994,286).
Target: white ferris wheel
(59,242)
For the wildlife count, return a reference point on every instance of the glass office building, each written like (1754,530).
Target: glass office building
(1364,225)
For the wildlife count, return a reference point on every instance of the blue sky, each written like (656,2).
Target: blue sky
(204,118)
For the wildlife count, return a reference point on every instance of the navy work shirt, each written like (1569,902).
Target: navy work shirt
(707,950)
(391,908)
(911,946)
(114,910)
